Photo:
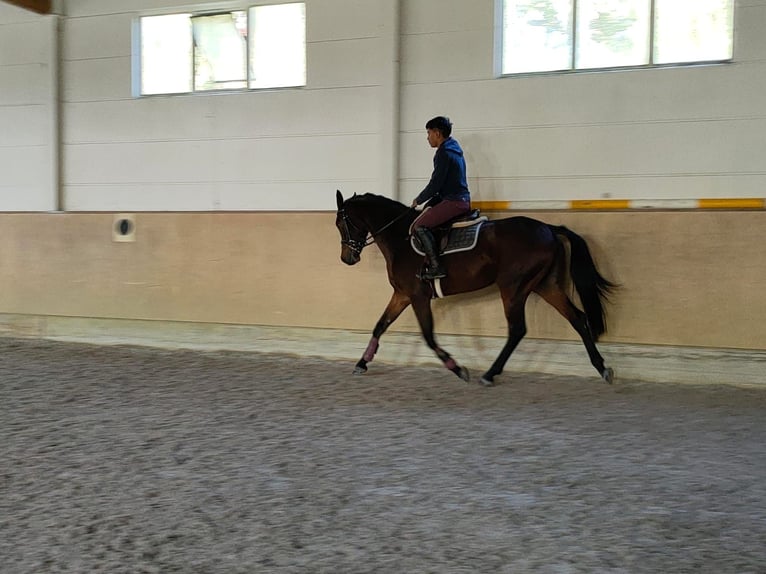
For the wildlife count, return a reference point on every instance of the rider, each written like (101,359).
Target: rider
(447,191)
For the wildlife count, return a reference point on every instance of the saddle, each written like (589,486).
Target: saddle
(458,234)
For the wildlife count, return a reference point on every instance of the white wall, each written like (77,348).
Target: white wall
(28,161)
(273,149)
(694,132)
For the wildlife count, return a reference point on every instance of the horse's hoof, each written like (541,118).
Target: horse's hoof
(360,370)
(463,373)
(608,375)
(486,382)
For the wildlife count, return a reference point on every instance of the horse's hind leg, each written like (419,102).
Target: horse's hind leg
(517,328)
(558,298)
(396,305)
(422,308)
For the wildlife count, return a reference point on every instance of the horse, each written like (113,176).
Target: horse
(519,254)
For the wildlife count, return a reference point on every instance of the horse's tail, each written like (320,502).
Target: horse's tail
(592,288)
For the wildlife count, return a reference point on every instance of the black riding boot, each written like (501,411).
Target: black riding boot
(435,269)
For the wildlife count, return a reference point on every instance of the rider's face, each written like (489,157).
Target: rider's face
(435,138)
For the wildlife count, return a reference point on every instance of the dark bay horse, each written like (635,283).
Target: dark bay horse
(519,254)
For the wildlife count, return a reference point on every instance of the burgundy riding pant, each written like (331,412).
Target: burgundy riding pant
(441,212)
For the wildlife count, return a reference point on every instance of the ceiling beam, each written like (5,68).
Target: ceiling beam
(39,6)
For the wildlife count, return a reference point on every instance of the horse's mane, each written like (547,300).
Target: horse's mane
(379,204)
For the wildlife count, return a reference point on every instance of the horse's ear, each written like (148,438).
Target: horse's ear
(339,198)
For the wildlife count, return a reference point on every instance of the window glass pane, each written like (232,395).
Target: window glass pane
(166,54)
(278,46)
(537,35)
(612,33)
(693,30)
(220,51)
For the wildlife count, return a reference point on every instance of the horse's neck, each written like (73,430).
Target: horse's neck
(391,240)
(381,216)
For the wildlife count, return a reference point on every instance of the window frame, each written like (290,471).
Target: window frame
(572,69)
(207,10)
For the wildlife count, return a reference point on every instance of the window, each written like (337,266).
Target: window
(262,47)
(556,35)
(220,51)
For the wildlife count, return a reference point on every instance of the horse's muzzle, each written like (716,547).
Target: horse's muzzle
(350,258)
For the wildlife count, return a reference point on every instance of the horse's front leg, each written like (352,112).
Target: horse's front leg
(396,305)
(422,308)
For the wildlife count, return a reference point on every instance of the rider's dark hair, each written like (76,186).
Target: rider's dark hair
(440,123)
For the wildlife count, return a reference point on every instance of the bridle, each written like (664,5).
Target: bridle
(355,245)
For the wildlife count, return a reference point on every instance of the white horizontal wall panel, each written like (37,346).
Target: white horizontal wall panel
(447,56)
(326,19)
(344,63)
(97,37)
(223,196)
(24,166)
(25,43)
(278,159)
(350,13)
(24,125)
(297,112)
(96,80)
(24,197)
(343,19)
(23,85)
(650,149)
(706,92)
(10,14)
(550,189)
(433,16)
(749,39)
(79,8)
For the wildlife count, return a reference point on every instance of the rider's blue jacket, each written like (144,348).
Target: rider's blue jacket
(448,180)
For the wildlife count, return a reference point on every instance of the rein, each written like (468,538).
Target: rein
(357,246)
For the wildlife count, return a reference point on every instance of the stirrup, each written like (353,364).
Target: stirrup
(432,274)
